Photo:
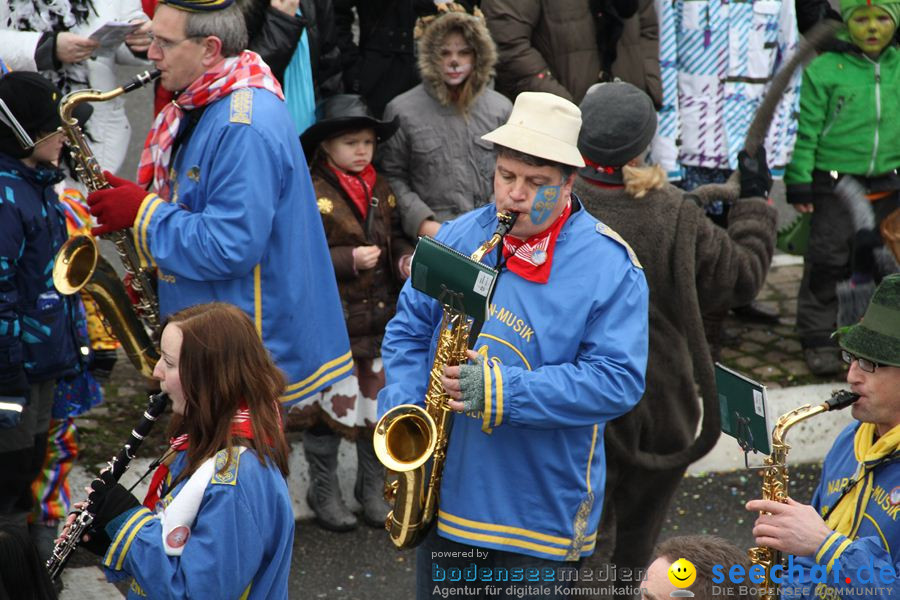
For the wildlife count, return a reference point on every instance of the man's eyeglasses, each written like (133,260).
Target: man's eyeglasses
(165,45)
(865,364)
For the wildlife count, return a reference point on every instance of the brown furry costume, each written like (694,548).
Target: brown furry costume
(437,163)
(692,266)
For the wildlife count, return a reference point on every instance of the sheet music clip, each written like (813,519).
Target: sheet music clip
(744,437)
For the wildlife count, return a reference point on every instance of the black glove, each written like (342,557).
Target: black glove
(110,500)
(102,363)
(756,179)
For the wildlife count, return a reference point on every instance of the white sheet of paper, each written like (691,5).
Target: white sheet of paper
(113,33)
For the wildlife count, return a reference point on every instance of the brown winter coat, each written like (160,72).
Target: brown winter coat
(369,297)
(692,267)
(551,46)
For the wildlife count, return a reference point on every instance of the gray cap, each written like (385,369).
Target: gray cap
(619,122)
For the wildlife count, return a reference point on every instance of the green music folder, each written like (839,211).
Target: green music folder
(453,279)
(744,409)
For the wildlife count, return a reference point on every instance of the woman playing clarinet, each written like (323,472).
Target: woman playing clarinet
(217,520)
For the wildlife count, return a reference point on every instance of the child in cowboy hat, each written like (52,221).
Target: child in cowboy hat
(371,259)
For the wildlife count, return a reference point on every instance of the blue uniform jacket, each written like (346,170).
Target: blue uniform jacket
(564,358)
(239,546)
(37,324)
(874,542)
(243,227)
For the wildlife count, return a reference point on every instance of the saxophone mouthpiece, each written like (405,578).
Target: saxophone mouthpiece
(140,80)
(506,221)
(841,400)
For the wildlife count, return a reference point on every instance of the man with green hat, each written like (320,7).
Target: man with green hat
(852,521)
(847,125)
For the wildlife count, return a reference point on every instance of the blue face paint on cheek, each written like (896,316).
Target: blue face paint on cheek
(545,200)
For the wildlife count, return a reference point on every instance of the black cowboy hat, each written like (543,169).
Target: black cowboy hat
(339,113)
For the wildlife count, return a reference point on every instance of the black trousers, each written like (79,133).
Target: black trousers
(827,263)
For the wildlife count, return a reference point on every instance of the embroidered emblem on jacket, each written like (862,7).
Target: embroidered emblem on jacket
(242,106)
(194,174)
(325,206)
(229,475)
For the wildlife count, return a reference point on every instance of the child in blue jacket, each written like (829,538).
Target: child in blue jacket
(38,339)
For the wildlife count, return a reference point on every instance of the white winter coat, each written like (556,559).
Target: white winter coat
(108,125)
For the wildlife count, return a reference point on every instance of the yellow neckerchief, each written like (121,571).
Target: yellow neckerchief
(846,517)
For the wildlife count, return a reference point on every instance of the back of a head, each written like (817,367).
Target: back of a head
(619,123)
(23,575)
(704,552)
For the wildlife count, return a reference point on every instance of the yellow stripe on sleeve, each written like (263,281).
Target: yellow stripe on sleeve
(257,300)
(591,457)
(488,397)
(837,553)
(498,382)
(123,531)
(127,545)
(145,214)
(826,545)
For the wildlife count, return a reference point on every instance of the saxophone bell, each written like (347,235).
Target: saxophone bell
(78,264)
(409,436)
(75,264)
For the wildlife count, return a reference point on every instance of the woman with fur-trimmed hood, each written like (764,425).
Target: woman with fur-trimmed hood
(437,163)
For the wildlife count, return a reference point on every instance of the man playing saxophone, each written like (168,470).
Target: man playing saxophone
(563,352)
(853,519)
(231,212)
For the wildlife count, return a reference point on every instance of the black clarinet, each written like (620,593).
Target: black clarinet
(117,467)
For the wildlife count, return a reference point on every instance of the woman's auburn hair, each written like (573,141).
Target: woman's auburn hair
(222,364)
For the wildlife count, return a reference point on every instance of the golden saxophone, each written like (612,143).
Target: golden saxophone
(407,436)
(79,265)
(775,477)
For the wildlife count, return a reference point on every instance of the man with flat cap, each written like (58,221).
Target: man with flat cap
(562,353)
(230,214)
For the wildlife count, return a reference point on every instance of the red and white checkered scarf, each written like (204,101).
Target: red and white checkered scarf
(246,70)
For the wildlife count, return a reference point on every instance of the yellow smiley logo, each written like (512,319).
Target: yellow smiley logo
(682,573)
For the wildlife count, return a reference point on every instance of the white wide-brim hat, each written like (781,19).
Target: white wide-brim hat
(542,125)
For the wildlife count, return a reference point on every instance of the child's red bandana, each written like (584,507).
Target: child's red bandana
(359,186)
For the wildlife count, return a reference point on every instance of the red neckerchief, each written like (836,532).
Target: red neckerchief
(358,186)
(247,70)
(240,427)
(531,259)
